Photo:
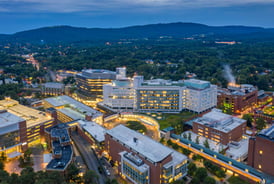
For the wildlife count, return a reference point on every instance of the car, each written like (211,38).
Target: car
(108,173)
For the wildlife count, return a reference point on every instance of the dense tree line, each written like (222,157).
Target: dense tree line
(252,63)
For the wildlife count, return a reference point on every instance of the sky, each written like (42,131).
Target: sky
(20,15)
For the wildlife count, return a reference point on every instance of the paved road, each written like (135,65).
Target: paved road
(88,155)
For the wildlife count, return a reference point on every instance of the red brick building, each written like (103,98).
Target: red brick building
(237,98)
(261,150)
(142,160)
(219,127)
(21,126)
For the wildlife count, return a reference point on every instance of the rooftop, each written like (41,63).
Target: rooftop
(237,90)
(64,150)
(197,84)
(268,133)
(238,150)
(142,144)
(220,121)
(162,83)
(53,85)
(8,122)
(135,160)
(71,103)
(95,130)
(33,117)
(72,113)
(98,73)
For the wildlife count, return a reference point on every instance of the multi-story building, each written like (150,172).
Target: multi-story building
(69,109)
(200,95)
(63,74)
(143,160)
(21,126)
(121,72)
(219,127)
(237,98)
(90,83)
(173,96)
(59,142)
(53,89)
(119,95)
(160,95)
(260,151)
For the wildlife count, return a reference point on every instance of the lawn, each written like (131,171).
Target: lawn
(175,120)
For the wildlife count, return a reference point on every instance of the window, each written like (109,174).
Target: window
(261,152)
(259,166)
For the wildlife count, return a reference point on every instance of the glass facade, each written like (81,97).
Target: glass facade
(92,88)
(158,100)
(134,174)
(9,139)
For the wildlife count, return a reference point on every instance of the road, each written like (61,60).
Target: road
(88,155)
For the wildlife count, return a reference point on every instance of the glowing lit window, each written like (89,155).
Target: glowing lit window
(259,166)
(261,152)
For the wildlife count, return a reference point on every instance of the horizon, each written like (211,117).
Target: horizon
(21,15)
(120,27)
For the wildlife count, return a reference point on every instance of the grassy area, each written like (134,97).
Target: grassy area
(137,126)
(175,120)
(236,180)
(269,110)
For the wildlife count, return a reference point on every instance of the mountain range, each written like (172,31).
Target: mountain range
(176,30)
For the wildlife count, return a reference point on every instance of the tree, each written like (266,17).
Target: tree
(2,165)
(169,142)
(3,157)
(197,140)
(72,173)
(260,123)
(14,178)
(27,176)
(189,136)
(206,144)
(195,180)
(248,119)
(191,168)
(90,177)
(209,180)
(201,173)
(162,140)
(112,181)
(178,182)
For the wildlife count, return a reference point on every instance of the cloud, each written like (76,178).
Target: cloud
(68,6)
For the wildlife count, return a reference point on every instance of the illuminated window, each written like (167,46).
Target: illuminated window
(261,152)
(259,166)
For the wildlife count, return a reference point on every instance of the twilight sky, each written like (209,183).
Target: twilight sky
(19,15)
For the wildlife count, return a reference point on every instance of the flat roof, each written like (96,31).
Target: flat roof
(72,113)
(7,118)
(33,117)
(142,167)
(71,103)
(268,133)
(161,83)
(197,84)
(60,131)
(95,130)
(142,144)
(97,73)
(8,122)
(237,150)
(220,121)
(242,166)
(53,85)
